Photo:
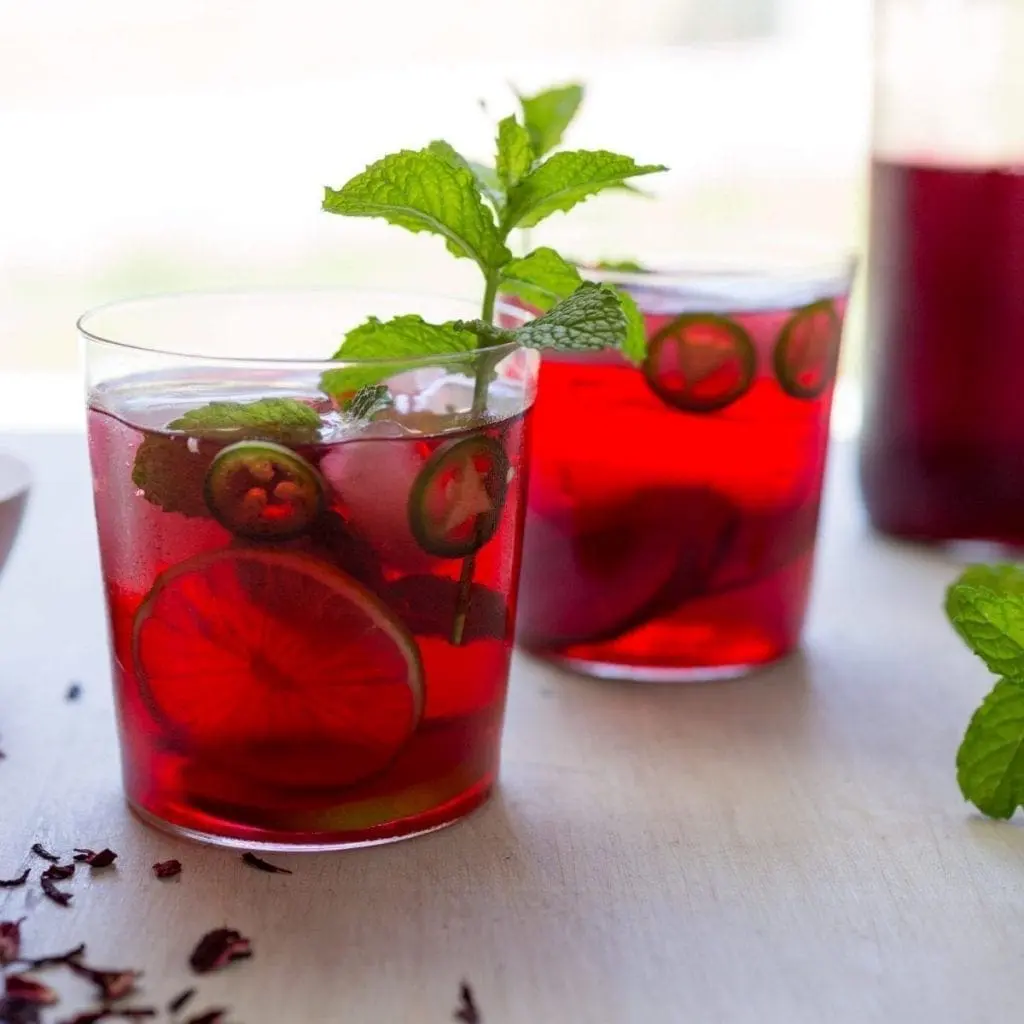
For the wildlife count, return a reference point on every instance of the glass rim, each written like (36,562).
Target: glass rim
(82,325)
(840,268)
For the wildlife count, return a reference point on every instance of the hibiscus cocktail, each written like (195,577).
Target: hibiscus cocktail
(673,538)
(311,611)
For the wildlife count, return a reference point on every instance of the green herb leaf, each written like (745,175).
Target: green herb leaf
(170,474)
(268,419)
(368,401)
(566,179)
(170,470)
(989,620)
(621,266)
(393,346)
(548,114)
(634,348)
(487,181)
(425,191)
(541,279)
(515,157)
(590,319)
(990,762)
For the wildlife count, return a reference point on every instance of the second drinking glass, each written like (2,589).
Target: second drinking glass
(673,505)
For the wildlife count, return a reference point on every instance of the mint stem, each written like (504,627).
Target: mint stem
(483,374)
(483,369)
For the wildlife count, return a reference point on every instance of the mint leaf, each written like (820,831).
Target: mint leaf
(548,114)
(515,157)
(425,191)
(566,179)
(990,762)
(368,401)
(394,346)
(541,278)
(268,419)
(590,319)
(990,623)
(487,181)
(170,470)
(170,474)
(1001,577)
(634,348)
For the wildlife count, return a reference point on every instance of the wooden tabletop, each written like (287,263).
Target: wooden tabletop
(791,847)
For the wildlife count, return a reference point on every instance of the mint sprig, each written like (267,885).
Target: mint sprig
(986,607)
(475,209)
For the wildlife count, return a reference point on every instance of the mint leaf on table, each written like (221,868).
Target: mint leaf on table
(548,114)
(541,278)
(589,320)
(1001,577)
(397,344)
(990,762)
(566,179)
(515,155)
(988,613)
(267,419)
(169,470)
(424,190)
(368,401)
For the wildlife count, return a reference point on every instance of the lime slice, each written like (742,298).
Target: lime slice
(263,491)
(455,504)
(278,667)
(807,352)
(700,362)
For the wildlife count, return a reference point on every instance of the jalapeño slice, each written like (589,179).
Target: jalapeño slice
(807,352)
(456,500)
(263,491)
(700,362)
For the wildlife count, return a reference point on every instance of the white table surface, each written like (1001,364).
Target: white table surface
(791,847)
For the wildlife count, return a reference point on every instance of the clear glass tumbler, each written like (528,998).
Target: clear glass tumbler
(311,612)
(673,506)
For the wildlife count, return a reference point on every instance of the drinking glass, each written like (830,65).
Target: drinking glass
(673,505)
(311,612)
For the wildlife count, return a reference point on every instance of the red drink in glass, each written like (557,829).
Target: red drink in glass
(674,537)
(944,424)
(311,636)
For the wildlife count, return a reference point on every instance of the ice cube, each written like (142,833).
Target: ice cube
(373,477)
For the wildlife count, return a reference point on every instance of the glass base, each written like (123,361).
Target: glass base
(654,673)
(421,825)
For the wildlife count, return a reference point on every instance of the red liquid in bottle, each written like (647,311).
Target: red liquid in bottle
(942,454)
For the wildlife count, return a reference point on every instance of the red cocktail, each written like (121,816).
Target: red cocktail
(673,506)
(311,615)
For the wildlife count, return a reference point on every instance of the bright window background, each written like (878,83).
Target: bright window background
(154,146)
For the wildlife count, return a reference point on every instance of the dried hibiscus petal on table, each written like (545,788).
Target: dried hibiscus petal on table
(219,948)
(10,941)
(95,858)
